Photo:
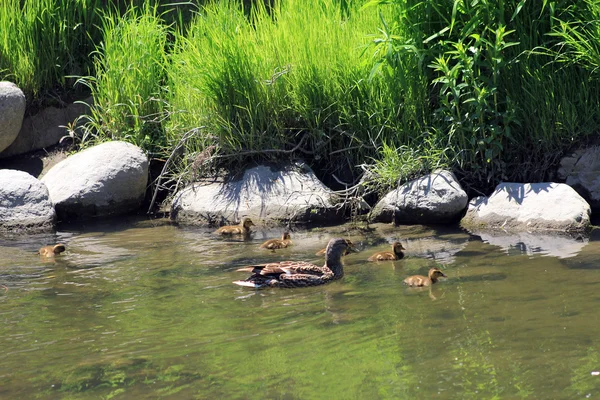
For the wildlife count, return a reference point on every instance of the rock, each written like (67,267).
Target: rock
(292,194)
(107,179)
(581,171)
(12,110)
(45,128)
(529,207)
(24,202)
(435,198)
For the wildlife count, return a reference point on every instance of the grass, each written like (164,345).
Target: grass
(495,89)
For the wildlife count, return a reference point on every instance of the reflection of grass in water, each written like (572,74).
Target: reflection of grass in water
(583,383)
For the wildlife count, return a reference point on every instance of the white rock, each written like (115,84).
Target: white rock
(12,110)
(107,179)
(434,198)
(24,202)
(529,207)
(264,194)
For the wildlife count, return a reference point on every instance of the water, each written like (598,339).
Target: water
(145,310)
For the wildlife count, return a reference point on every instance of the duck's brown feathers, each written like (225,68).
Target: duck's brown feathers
(294,274)
(51,251)
(420,280)
(395,254)
(273,244)
(242,229)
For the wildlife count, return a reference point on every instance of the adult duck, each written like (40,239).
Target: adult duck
(274,244)
(350,246)
(430,279)
(395,254)
(242,229)
(295,274)
(51,251)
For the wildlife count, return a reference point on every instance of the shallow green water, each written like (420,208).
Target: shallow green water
(142,309)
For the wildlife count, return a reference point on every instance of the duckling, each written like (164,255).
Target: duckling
(420,280)
(396,253)
(294,274)
(322,251)
(51,251)
(282,243)
(242,229)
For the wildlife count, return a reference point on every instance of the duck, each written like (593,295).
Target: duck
(242,229)
(420,280)
(323,250)
(51,251)
(282,243)
(395,254)
(296,274)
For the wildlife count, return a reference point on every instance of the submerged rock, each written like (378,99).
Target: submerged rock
(529,207)
(581,171)
(24,202)
(435,198)
(265,194)
(12,110)
(107,179)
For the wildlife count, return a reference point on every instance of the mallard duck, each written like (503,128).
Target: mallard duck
(282,243)
(51,251)
(293,274)
(395,254)
(323,250)
(420,280)
(242,229)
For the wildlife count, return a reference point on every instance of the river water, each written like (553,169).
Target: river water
(141,309)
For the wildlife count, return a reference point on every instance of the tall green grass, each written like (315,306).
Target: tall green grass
(129,85)
(296,77)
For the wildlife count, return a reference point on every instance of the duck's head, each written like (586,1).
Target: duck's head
(286,236)
(397,246)
(247,223)
(338,247)
(435,273)
(59,248)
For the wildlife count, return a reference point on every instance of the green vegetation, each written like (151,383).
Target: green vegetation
(496,90)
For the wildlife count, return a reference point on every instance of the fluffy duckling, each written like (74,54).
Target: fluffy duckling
(420,280)
(51,251)
(322,251)
(294,274)
(242,229)
(282,243)
(395,254)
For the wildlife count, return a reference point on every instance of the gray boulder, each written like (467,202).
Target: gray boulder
(529,207)
(12,110)
(45,128)
(265,194)
(24,202)
(581,171)
(107,179)
(435,198)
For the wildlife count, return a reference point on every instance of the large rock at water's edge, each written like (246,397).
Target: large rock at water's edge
(292,194)
(24,202)
(529,207)
(12,110)
(435,198)
(45,128)
(107,179)
(581,171)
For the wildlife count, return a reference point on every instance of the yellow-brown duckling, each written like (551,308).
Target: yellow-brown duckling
(395,254)
(295,274)
(242,229)
(51,251)
(282,243)
(420,280)
(348,251)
